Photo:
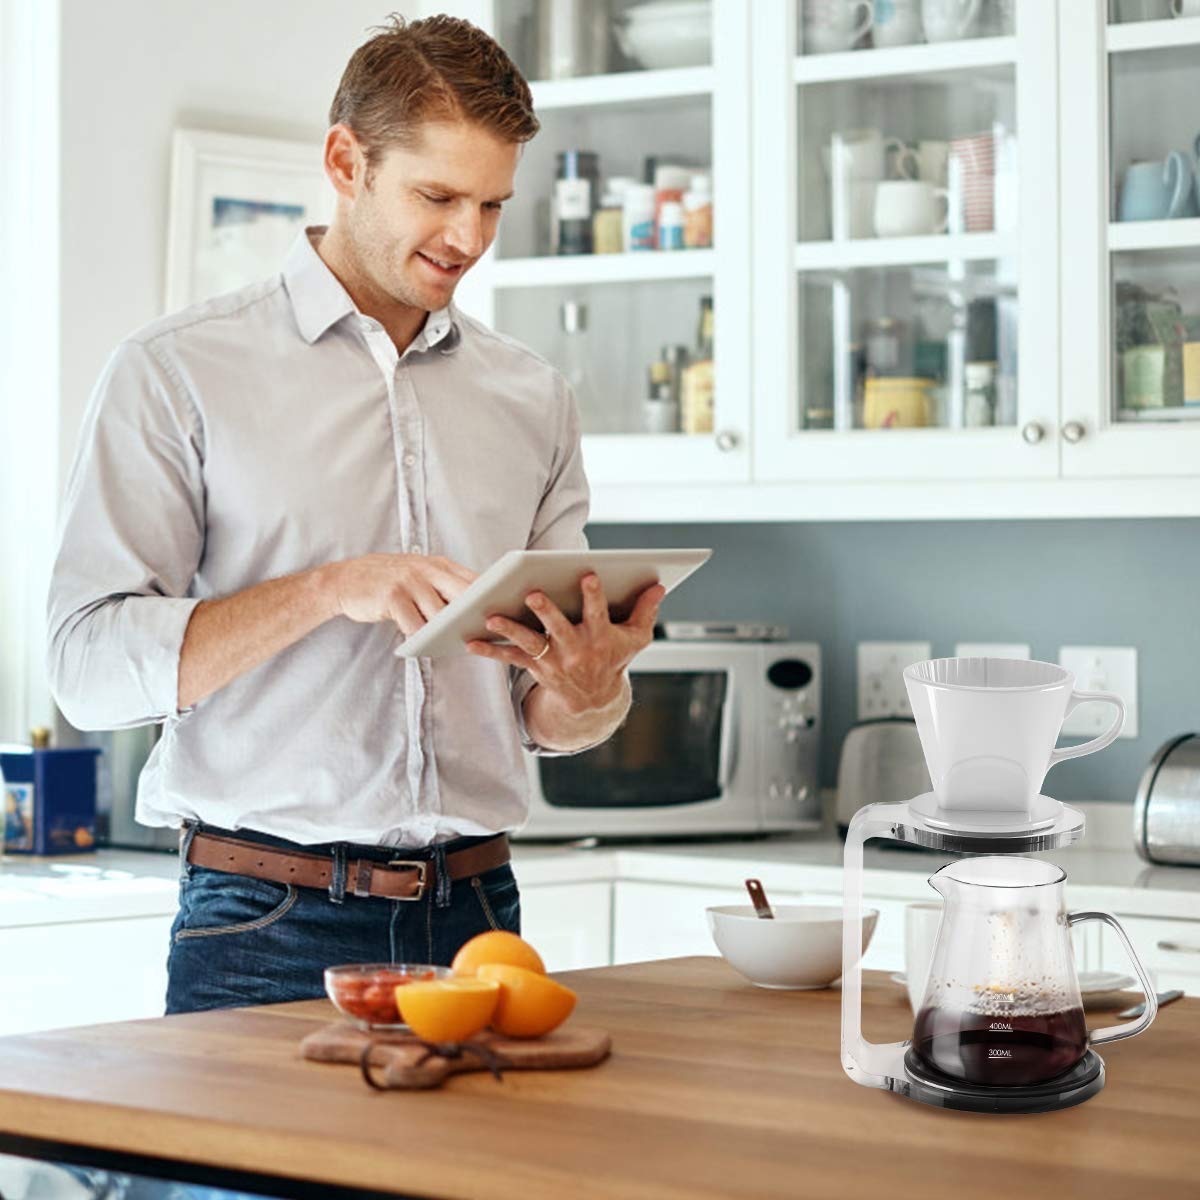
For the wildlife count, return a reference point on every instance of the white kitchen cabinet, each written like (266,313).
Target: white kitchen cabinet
(891,343)
(569,923)
(635,304)
(1130,383)
(810,301)
(83,972)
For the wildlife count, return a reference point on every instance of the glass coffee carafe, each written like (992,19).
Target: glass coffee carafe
(1002,1006)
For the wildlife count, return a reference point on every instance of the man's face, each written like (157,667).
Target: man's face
(430,211)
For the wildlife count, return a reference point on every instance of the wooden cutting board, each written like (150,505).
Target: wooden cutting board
(400,1060)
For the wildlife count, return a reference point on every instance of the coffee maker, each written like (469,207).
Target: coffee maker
(1001,1025)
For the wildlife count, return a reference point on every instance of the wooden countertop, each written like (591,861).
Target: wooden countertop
(715,1089)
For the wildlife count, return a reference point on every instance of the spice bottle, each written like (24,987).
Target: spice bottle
(697,391)
(607,234)
(670,226)
(698,213)
(638,217)
(576,194)
(660,411)
(670,182)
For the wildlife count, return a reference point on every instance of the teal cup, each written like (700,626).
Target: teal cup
(1159,190)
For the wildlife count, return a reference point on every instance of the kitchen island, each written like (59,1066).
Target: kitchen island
(714,1089)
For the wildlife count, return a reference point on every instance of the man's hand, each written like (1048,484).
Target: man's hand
(408,589)
(583,693)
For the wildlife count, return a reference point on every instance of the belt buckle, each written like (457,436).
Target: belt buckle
(420,866)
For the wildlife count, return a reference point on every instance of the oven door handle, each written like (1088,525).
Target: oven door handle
(728,759)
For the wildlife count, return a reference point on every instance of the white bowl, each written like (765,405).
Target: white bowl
(659,45)
(800,948)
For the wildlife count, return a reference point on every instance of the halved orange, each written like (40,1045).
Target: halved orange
(530,1004)
(447,1010)
(497,946)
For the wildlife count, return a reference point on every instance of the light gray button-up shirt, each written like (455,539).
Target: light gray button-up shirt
(266,432)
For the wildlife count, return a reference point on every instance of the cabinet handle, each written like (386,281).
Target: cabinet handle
(1073,432)
(727,440)
(1033,432)
(1178,948)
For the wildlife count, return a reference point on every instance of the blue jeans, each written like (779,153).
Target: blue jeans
(237,940)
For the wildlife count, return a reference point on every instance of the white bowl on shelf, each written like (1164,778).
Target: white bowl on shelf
(667,33)
(800,949)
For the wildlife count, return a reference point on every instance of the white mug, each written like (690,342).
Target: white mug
(921,923)
(897,23)
(833,25)
(988,727)
(947,20)
(908,207)
(864,154)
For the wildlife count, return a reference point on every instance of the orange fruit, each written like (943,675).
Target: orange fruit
(530,1004)
(497,946)
(447,1010)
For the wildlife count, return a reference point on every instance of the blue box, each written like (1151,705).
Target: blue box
(50,800)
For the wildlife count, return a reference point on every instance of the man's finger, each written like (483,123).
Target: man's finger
(505,654)
(529,641)
(551,617)
(595,606)
(645,611)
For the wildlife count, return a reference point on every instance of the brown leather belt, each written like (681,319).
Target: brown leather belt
(395,879)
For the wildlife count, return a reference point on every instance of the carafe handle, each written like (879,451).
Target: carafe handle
(1097,743)
(1114,1033)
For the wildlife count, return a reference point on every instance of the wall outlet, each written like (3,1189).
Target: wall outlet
(991,650)
(881,691)
(1101,669)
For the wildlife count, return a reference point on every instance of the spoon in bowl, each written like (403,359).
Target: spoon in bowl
(759,899)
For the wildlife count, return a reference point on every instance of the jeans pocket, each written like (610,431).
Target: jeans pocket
(215,904)
(499,898)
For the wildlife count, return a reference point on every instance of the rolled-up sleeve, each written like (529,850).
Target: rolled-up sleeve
(131,538)
(559,525)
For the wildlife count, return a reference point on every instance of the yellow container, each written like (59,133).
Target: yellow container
(897,403)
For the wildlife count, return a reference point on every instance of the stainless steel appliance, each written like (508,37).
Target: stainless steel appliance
(722,739)
(880,760)
(1166,810)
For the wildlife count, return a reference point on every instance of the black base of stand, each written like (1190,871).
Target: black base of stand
(930,1086)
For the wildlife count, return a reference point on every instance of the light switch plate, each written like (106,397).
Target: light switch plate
(881,691)
(1101,669)
(991,650)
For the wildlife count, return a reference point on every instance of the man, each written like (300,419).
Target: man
(272,487)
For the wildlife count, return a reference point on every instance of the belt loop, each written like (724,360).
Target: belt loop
(186,833)
(441,894)
(337,884)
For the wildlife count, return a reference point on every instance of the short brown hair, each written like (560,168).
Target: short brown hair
(436,69)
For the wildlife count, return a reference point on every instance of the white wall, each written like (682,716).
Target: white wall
(132,71)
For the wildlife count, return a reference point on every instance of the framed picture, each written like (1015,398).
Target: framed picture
(237,204)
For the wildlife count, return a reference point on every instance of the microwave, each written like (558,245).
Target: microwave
(721,738)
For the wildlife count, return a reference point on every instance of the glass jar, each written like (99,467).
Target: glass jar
(576,195)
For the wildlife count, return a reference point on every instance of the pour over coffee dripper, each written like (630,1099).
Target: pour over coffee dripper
(988,728)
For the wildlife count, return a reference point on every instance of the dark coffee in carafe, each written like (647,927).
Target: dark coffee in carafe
(1000,1048)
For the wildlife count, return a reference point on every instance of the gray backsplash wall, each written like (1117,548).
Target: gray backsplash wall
(1048,583)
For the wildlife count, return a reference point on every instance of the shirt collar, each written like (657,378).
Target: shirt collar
(319,300)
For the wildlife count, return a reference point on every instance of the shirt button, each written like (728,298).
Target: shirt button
(410,460)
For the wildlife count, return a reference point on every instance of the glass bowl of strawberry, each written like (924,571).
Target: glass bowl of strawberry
(366,992)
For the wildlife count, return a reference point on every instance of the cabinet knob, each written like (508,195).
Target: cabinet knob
(1033,432)
(727,440)
(1073,431)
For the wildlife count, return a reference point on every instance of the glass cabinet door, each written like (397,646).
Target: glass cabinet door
(1136,191)
(911,175)
(605,261)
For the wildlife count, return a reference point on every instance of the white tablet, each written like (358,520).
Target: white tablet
(502,588)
